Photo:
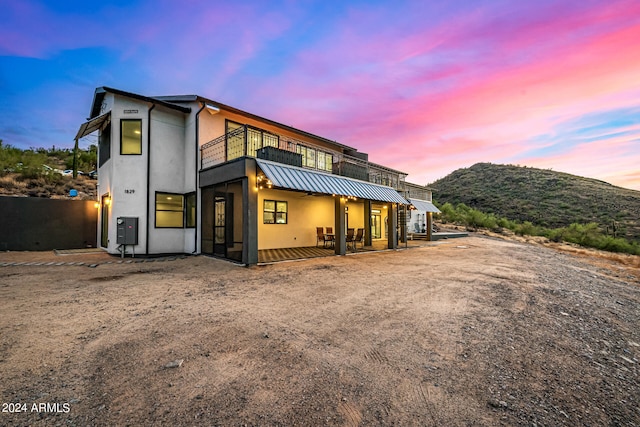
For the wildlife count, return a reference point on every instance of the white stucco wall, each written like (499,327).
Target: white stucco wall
(127,183)
(167,175)
(124,177)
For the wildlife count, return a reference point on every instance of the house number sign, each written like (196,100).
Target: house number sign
(129,191)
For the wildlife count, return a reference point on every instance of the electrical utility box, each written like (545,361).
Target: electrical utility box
(127,230)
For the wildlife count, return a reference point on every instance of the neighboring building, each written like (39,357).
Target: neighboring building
(419,217)
(185,174)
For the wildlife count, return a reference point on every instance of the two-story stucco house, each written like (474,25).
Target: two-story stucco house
(201,177)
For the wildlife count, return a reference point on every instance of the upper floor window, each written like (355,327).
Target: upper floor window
(131,136)
(104,145)
(325,161)
(308,156)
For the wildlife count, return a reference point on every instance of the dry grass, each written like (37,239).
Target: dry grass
(10,185)
(54,188)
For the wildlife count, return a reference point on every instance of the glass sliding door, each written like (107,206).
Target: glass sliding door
(376,224)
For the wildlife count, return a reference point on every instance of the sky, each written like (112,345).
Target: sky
(424,87)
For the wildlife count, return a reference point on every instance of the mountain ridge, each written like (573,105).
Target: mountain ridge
(544,197)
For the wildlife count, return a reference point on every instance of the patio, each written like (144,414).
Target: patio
(266,256)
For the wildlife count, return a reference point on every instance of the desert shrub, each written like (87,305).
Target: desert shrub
(583,234)
(588,235)
(448,213)
(506,223)
(527,229)
(616,244)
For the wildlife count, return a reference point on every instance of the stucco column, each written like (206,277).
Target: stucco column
(392,223)
(340,227)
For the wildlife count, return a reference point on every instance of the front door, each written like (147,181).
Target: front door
(219,224)
(223,233)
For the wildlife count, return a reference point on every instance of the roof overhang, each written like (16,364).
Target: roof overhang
(300,179)
(423,205)
(93,125)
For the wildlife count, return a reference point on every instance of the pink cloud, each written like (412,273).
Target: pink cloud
(489,110)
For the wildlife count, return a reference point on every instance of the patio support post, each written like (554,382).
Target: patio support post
(250,219)
(340,228)
(429,225)
(392,222)
(367,223)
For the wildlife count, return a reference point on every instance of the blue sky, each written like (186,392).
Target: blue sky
(423,87)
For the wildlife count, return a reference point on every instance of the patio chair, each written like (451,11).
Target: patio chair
(329,233)
(359,238)
(321,237)
(350,236)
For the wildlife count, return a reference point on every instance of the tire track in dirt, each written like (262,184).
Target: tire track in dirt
(351,414)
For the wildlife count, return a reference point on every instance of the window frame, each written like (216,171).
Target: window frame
(156,210)
(275,211)
(122,122)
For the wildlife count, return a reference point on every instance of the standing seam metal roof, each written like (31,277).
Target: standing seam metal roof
(296,178)
(424,205)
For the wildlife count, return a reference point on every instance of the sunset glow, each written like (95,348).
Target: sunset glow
(423,87)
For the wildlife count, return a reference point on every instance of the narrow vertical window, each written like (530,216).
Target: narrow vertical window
(131,136)
(190,210)
(104,145)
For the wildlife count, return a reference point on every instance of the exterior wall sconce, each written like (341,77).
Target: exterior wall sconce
(262,182)
(96,205)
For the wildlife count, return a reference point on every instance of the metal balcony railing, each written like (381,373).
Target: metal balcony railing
(254,142)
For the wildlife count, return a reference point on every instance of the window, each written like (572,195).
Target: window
(169,210)
(235,141)
(190,210)
(325,161)
(308,156)
(131,136)
(270,140)
(275,212)
(104,145)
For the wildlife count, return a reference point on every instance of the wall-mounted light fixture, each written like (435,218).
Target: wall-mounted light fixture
(262,181)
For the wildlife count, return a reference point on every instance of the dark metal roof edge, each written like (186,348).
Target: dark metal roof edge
(102,90)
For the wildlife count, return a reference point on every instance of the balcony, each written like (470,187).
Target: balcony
(254,142)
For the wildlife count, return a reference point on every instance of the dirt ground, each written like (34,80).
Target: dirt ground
(473,331)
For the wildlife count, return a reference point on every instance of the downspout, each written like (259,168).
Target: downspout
(195,167)
(148,174)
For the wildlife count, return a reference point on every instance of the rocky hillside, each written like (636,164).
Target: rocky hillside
(544,197)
